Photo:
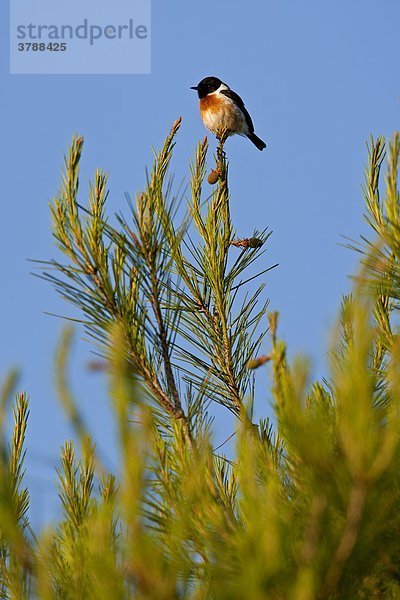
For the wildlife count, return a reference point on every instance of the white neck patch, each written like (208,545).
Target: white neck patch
(223,86)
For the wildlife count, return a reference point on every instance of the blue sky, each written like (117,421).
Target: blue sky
(318,79)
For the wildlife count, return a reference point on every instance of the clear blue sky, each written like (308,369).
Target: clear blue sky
(317,77)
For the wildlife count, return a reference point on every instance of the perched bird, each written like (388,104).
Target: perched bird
(223,109)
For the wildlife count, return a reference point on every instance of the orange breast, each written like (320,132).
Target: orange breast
(212,102)
(215,112)
(219,112)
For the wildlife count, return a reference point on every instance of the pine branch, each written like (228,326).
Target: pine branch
(142,276)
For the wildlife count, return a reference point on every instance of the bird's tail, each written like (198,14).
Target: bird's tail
(256,141)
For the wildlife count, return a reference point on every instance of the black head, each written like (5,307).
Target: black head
(208,85)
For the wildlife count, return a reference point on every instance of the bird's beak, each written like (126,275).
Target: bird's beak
(194,87)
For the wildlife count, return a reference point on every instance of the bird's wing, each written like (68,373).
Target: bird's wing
(237,100)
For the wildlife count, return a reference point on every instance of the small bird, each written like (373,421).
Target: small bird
(223,109)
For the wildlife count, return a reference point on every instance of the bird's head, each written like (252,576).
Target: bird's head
(208,85)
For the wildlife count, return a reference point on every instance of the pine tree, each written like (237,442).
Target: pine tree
(306,507)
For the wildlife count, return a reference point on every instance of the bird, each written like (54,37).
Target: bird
(223,109)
